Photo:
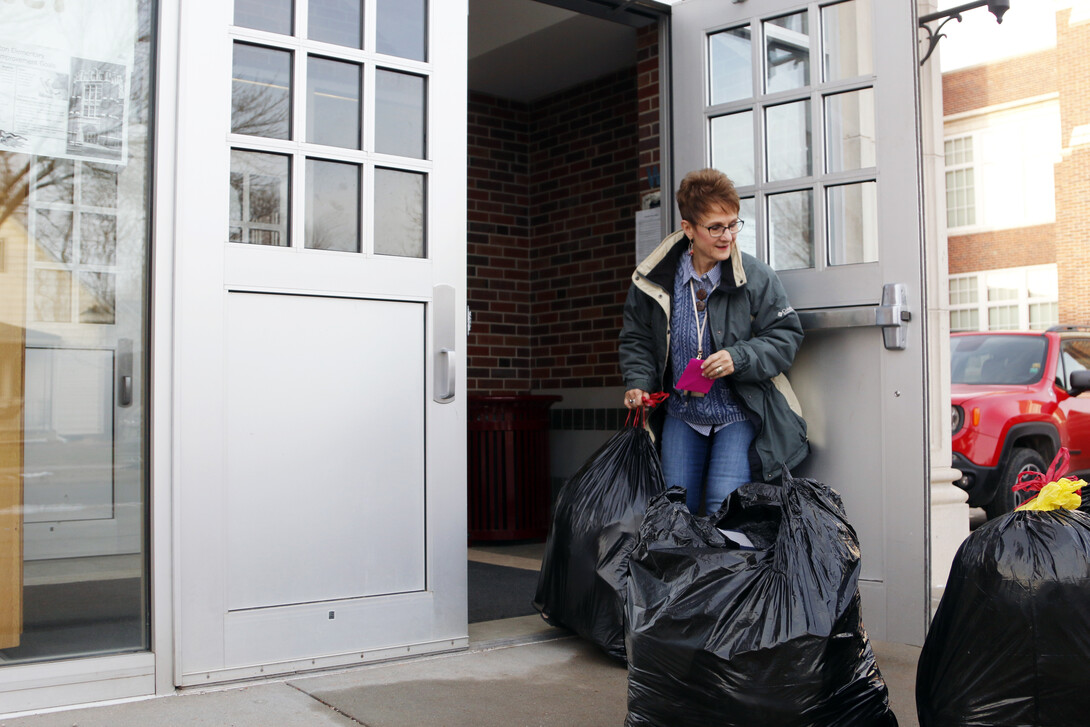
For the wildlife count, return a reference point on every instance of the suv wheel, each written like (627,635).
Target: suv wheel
(1006,499)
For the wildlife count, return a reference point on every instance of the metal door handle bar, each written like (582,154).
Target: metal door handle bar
(446,375)
(892,316)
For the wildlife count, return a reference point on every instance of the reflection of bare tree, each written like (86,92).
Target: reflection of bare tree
(261,92)
(20,172)
(257,112)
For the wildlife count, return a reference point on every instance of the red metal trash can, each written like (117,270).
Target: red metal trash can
(508,483)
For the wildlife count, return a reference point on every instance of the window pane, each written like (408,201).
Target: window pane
(731,65)
(399,114)
(852,214)
(787,52)
(261,92)
(52,296)
(963,291)
(747,238)
(259,198)
(1043,315)
(335,21)
(333,206)
(98,239)
(964,320)
(54,180)
(1004,285)
(74,237)
(849,130)
(846,40)
(402,28)
(732,147)
(1042,282)
(97,298)
(53,236)
(787,141)
(333,103)
(400,199)
(791,230)
(98,185)
(271,15)
(1003,318)
(960,198)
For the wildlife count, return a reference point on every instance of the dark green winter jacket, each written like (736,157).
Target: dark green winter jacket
(751,318)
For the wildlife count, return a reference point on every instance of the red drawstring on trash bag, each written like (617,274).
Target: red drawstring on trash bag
(1053,492)
(638,417)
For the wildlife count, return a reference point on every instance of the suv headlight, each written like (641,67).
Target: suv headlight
(957,418)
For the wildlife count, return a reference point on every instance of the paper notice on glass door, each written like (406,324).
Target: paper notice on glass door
(58,105)
(65,71)
(648,232)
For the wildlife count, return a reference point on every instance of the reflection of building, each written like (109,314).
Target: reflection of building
(1017,176)
(96,107)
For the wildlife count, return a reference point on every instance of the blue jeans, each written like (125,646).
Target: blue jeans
(714,466)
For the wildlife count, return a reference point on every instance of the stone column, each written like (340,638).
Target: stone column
(949,511)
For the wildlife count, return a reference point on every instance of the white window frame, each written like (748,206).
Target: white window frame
(1023,300)
(953,166)
(994,155)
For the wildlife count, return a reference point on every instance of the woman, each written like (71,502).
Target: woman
(697,296)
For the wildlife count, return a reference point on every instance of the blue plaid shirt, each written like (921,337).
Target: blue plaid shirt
(718,407)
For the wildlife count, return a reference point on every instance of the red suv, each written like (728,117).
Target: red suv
(1017,398)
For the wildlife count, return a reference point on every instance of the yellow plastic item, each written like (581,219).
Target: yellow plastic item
(1056,495)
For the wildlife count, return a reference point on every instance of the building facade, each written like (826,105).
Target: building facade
(238,244)
(1016,149)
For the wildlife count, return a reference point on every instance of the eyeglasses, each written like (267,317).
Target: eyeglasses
(719,230)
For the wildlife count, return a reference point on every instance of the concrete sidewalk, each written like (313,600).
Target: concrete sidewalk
(517,672)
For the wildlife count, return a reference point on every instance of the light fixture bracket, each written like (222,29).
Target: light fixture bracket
(997,8)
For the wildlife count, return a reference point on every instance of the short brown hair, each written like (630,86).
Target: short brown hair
(704,190)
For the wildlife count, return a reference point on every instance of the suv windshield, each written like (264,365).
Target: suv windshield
(997,359)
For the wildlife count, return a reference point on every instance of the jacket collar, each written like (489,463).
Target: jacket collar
(659,267)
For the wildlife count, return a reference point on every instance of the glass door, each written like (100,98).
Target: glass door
(812,108)
(74,200)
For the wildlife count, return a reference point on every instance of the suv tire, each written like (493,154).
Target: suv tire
(1006,499)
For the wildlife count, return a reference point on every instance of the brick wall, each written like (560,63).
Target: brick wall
(1073,171)
(1033,74)
(554,186)
(1066,72)
(1012,248)
(498,245)
(648,102)
(585,195)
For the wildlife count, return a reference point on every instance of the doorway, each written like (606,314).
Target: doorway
(563,157)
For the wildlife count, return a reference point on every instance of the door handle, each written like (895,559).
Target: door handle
(445,375)
(892,316)
(124,372)
(444,322)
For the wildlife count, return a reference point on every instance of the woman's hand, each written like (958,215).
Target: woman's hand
(718,365)
(634,398)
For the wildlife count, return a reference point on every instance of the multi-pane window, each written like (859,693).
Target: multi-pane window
(801,148)
(1023,299)
(329,126)
(960,182)
(964,311)
(74,221)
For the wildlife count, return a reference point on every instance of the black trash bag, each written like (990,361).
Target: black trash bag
(598,513)
(1010,641)
(751,616)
